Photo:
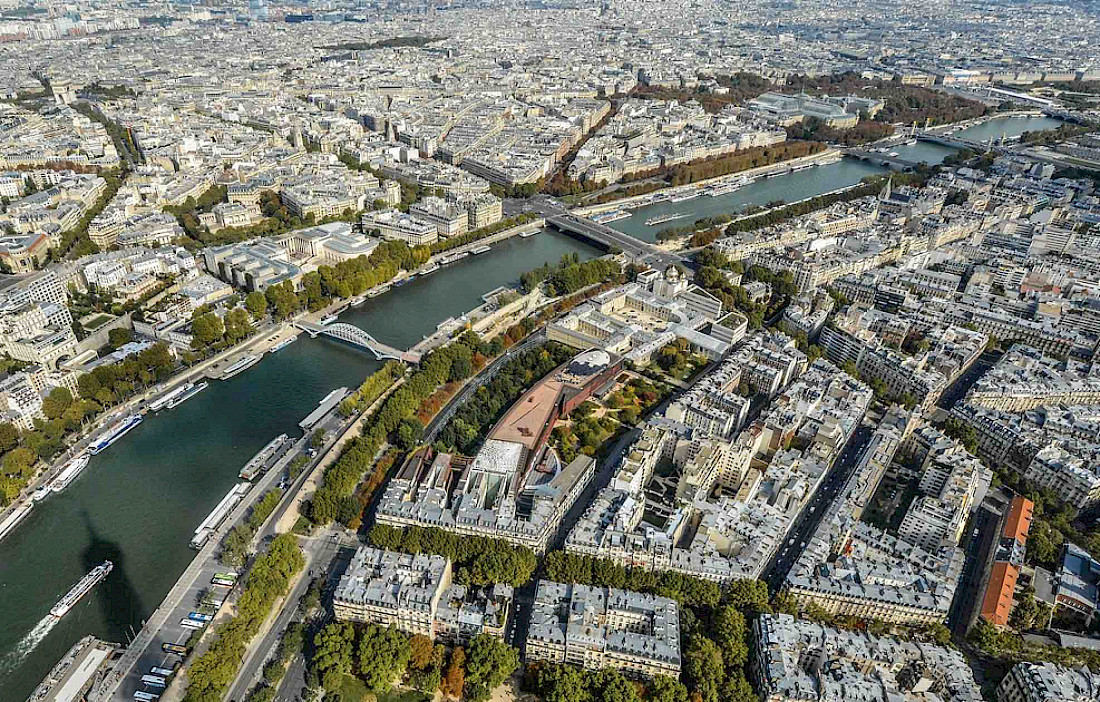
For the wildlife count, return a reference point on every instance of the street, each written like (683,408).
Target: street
(776,571)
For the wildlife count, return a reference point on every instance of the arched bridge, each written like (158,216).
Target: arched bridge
(351,334)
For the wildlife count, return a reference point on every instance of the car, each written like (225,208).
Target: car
(803,544)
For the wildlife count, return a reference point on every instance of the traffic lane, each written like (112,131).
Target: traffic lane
(317,550)
(776,572)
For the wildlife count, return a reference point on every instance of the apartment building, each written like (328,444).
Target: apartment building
(801,660)
(391,589)
(1048,682)
(395,225)
(598,627)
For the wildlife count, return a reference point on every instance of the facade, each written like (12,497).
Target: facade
(252,266)
(450,219)
(1048,682)
(596,627)
(465,611)
(636,320)
(799,660)
(35,323)
(999,593)
(391,589)
(395,225)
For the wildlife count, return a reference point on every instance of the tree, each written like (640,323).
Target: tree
(256,304)
(273,672)
(383,656)
(704,668)
(489,661)
(317,439)
(421,651)
(9,437)
(237,324)
(666,689)
(751,594)
(206,329)
(20,461)
(737,689)
(118,336)
(334,646)
(55,404)
(454,680)
(731,635)
(408,433)
(611,686)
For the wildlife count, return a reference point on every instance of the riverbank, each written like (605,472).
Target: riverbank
(137,403)
(828,156)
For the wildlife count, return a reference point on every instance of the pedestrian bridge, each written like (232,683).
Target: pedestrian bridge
(351,334)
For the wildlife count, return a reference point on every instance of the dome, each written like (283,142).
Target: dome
(590,362)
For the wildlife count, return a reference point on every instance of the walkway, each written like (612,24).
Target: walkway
(352,334)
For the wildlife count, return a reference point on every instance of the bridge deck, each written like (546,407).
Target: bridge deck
(359,338)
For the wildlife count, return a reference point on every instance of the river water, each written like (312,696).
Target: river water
(138,503)
(789,188)
(813,181)
(994,128)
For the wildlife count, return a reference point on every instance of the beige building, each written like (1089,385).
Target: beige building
(392,589)
(596,627)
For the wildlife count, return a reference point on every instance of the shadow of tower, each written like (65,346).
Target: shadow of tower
(121,606)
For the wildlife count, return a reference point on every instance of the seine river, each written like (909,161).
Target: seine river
(138,503)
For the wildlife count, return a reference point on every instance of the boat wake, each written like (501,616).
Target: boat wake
(28,643)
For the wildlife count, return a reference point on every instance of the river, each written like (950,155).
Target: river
(789,188)
(138,503)
(994,128)
(814,181)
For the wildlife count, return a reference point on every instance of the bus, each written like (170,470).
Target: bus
(191,624)
(215,601)
(231,577)
(199,617)
(162,672)
(220,582)
(154,680)
(174,648)
(142,696)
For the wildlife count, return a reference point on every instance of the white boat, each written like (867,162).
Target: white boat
(684,196)
(283,344)
(83,587)
(479,250)
(328,320)
(115,433)
(191,392)
(165,400)
(613,216)
(242,364)
(359,301)
(41,493)
(12,520)
(69,472)
(653,221)
(430,269)
(258,463)
(525,235)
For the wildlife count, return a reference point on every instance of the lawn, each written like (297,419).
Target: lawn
(97,321)
(397,695)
